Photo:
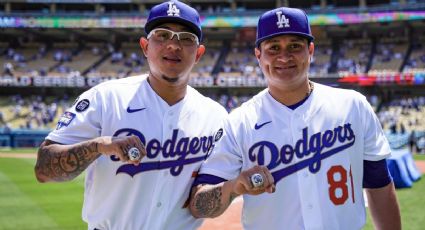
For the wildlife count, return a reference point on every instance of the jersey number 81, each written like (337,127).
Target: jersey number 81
(338,188)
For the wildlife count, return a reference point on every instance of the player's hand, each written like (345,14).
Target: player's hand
(243,184)
(128,149)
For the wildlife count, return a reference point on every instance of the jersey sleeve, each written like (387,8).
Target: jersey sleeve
(376,144)
(225,160)
(81,121)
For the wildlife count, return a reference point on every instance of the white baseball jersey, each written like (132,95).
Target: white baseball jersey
(315,154)
(177,139)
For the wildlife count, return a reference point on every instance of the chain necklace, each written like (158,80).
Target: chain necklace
(311,88)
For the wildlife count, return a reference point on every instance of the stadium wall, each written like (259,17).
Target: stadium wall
(22,138)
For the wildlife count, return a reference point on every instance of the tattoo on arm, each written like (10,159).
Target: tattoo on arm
(232,197)
(208,203)
(65,163)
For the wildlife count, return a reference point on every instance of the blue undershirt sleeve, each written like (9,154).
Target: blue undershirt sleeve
(376,174)
(207,179)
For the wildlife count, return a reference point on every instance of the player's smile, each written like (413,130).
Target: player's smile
(285,68)
(172,58)
(290,66)
(173,63)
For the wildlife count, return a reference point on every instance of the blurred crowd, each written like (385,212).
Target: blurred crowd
(31,113)
(352,55)
(402,119)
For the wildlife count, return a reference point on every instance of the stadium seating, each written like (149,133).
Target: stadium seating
(98,59)
(354,55)
(390,54)
(416,60)
(128,60)
(32,112)
(322,58)
(84,58)
(206,65)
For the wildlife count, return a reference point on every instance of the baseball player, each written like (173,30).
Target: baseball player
(299,152)
(141,138)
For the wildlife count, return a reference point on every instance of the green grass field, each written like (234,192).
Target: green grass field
(27,204)
(412,204)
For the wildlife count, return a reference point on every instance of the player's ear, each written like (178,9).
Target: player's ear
(257,53)
(311,49)
(199,52)
(144,45)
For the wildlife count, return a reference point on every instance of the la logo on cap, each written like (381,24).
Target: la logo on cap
(173,10)
(282,21)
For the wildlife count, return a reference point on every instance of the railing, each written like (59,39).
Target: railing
(22,138)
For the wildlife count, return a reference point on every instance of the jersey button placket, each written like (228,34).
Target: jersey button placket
(170,119)
(294,126)
(313,216)
(306,182)
(166,122)
(168,126)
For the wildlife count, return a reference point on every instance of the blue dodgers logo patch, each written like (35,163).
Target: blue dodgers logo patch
(218,135)
(65,120)
(82,105)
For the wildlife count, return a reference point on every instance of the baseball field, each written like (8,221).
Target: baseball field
(26,204)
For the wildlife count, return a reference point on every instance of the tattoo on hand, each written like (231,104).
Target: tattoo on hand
(208,203)
(61,166)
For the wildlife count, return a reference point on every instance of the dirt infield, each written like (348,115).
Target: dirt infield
(18,155)
(230,220)
(421,166)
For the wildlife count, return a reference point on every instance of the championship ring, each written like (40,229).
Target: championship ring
(133,154)
(257,180)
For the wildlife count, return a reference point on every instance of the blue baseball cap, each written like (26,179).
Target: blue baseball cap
(175,12)
(281,21)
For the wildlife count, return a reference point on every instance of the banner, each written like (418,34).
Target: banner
(74,79)
(208,21)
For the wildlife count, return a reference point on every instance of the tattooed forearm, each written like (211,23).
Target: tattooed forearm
(232,197)
(63,163)
(208,203)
